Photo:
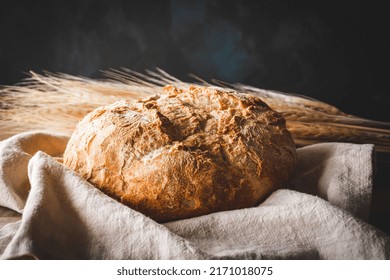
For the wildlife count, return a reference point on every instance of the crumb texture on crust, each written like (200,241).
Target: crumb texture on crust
(184,153)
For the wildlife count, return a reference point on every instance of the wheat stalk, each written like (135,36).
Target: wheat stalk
(56,102)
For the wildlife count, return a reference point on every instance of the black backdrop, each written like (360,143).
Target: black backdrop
(335,51)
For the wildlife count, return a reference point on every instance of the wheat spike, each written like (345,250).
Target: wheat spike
(56,102)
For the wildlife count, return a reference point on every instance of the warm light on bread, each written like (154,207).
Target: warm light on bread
(184,153)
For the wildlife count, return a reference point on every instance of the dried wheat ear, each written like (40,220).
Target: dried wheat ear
(56,102)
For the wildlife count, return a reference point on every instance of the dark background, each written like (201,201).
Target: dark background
(335,51)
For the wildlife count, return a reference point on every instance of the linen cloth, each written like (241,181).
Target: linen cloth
(49,212)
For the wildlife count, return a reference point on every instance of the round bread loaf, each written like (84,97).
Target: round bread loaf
(184,153)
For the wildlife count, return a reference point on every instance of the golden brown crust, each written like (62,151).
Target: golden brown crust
(185,153)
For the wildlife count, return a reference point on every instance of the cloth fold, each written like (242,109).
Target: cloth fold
(49,212)
(339,173)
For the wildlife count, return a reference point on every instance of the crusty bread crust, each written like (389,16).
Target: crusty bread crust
(184,153)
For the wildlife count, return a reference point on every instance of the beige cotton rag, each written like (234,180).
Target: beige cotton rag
(49,212)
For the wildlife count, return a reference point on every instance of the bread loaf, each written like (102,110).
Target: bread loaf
(184,153)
